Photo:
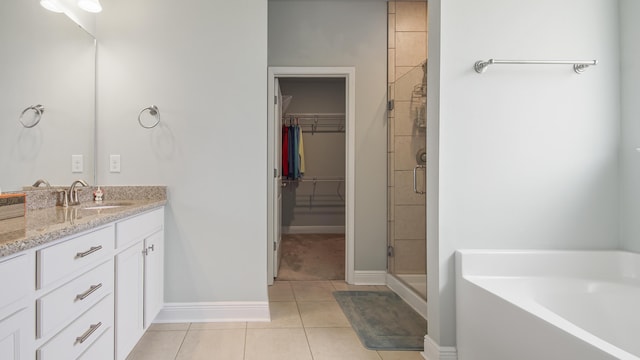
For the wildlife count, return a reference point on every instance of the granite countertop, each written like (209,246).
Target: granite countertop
(41,226)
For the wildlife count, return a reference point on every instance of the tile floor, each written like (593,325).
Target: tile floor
(306,324)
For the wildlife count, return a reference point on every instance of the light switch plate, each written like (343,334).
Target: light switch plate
(77,164)
(114,163)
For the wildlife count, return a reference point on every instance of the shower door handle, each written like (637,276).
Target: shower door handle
(415,179)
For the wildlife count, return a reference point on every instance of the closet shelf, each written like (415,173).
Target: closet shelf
(317,122)
(312,116)
(315,180)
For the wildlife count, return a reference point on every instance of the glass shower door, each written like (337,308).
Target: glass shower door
(407,143)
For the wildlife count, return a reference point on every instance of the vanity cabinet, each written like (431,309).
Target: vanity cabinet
(139,277)
(89,296)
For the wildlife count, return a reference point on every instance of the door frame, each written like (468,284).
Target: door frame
(349,75)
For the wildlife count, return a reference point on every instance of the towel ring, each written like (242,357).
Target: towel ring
(38,109)
(153,110)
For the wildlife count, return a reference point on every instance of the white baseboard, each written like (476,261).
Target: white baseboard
(411,297)
(370,278)
(433,351)
(313,229)
(214,312)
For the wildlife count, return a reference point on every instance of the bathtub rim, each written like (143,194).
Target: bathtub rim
(627,262)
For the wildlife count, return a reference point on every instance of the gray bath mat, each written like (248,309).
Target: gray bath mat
(382,320)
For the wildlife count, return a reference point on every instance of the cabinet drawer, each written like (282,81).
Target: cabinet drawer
(60,260)
(101,349)
(64,304)
(78,337)
(139,227)
(17,279)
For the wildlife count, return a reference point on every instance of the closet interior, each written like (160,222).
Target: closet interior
(313,179)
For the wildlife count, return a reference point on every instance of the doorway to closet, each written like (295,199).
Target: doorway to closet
(311,188)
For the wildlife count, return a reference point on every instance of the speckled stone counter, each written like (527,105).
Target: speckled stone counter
(44,225)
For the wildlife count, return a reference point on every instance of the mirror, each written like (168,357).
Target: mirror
(47,60)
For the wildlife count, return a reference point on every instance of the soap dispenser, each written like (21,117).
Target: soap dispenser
(97,195)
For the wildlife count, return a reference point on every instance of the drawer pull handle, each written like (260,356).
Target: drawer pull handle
(85,336)
(89,252)
(91,290)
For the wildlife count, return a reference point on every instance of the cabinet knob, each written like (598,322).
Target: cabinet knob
(149,249)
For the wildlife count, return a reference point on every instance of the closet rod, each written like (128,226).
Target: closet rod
(325,131)
(318,115)
(315,121)
(319,124)
(579,66)
(314,180)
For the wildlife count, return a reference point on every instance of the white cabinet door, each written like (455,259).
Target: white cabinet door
(17,313)
(16,279)
(153,277)
(129,299)
(15,334)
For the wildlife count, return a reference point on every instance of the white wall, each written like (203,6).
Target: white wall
(314,95)
(629,157)
(527,154)
(204,65)
(347,33)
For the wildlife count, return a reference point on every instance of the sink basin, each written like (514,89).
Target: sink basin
(100,207)
(111,205)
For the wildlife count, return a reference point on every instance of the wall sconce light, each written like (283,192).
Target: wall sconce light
(92,6)
(51,5)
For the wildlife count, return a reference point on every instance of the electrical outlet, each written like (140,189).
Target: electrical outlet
(77,164)
(114,163)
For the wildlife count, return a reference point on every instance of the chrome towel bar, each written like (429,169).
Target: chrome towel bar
(579,66)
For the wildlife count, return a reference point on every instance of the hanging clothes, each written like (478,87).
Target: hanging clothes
(296,152)
(293,165)
(301,152)
(292,150)
(285,152)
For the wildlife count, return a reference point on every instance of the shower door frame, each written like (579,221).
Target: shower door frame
(349,76)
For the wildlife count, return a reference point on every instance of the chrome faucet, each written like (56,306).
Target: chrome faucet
(73,192)
(40,182)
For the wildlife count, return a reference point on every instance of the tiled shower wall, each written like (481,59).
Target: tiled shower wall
(407,52)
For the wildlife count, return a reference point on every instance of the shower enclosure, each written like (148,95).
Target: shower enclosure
(407,94)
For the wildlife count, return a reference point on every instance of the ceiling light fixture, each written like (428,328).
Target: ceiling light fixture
(51,5)
(90,5)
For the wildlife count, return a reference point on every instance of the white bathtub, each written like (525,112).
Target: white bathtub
(535,305)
